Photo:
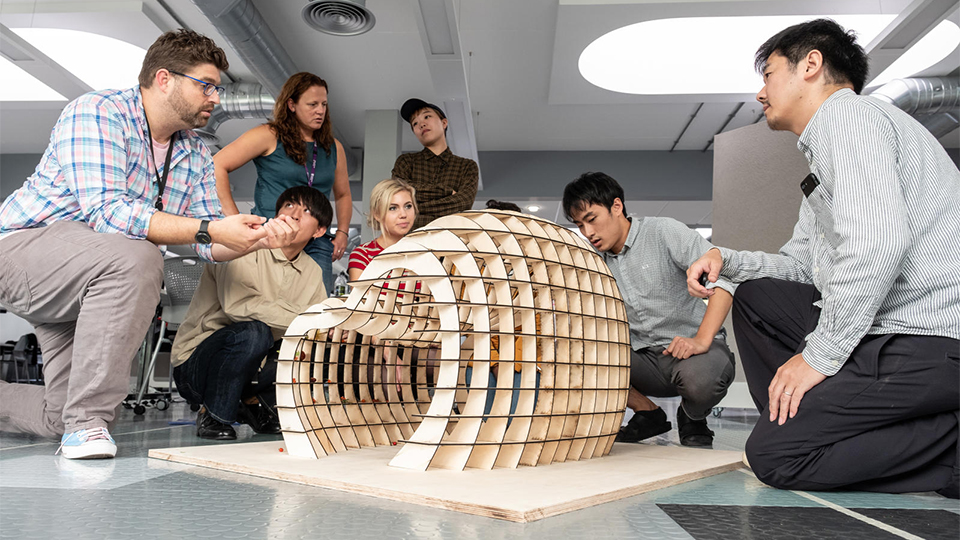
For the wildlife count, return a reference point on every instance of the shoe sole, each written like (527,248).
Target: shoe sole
(666,427)
(217,438)
(697,445)
(99,451)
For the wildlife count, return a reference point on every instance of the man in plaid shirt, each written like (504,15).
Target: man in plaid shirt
(122,175)
(445,183)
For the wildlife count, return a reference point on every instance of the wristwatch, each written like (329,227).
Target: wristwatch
(202,236)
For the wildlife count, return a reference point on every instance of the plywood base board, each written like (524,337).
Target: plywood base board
(522,495)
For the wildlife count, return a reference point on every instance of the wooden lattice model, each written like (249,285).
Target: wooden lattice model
(389,363)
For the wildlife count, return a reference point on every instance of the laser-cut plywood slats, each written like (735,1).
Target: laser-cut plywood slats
(388,364)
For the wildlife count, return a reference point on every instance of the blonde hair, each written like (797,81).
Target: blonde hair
(381,196)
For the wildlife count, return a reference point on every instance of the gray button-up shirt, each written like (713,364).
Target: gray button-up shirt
(651,272)
(880,236)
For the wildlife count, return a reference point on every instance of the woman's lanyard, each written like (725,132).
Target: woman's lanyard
(310,171)
(161,180)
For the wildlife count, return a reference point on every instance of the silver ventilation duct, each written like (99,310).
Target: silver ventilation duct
(247,33)
(339,17)
(243,27)
(239,100)
(931,100)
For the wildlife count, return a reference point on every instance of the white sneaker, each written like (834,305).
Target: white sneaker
(93,443)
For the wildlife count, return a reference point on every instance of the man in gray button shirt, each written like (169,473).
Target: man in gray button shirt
(676,347)
(850,336)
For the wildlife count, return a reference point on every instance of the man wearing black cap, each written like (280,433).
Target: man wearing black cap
(445,183)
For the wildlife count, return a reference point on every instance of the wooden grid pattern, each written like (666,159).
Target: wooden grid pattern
(388,363)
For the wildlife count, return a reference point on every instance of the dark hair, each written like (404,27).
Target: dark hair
(285,124)
(503,205)
(844,59)
(592,188)
(180,50)
(314,201)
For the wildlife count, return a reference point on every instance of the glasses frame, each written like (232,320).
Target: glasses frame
(208,87)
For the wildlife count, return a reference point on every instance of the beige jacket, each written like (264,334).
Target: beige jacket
(262,286)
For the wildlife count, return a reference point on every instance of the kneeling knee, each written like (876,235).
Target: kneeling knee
(764,462)
(256,335)
(140,265)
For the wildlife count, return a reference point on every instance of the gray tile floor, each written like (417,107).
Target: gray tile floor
(132,496)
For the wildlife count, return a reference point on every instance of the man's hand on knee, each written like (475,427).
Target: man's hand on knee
(794,379)
(682,348)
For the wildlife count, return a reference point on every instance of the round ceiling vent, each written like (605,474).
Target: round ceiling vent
(339,17)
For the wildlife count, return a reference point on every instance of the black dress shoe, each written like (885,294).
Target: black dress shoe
(209,427)
(259,418)
(693,432)
(643,425)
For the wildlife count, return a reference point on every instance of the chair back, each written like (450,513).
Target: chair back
(26,349)
(181,277)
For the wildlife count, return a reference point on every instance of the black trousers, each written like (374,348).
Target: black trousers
(887,421)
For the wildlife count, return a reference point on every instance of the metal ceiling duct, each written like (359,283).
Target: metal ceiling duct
(932,100)
(243,27)
(239,100)
(241,24)
(339,17)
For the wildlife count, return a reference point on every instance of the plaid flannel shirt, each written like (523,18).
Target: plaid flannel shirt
(445,183)
(97,169)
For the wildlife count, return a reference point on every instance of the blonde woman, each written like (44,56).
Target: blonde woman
(393,210)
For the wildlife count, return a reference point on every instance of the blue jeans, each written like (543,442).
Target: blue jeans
(492,383)
(321,250)
(219,372)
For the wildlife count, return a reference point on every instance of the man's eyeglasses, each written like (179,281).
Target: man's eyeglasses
(208,88)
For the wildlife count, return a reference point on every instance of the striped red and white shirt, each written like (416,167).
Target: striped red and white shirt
(361,255)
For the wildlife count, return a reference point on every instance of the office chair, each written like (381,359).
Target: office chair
(181,276)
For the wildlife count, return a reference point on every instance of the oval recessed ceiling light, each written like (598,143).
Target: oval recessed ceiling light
(18,85)
(712,55)
(533,207)
(933,47)
(99,61)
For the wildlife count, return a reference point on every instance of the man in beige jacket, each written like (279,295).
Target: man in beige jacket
(237,315)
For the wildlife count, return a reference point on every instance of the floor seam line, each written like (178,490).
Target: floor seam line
(846,511)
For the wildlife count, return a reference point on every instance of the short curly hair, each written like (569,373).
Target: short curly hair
(180,50)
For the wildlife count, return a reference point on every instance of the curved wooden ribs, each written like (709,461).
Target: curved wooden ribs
(389,363)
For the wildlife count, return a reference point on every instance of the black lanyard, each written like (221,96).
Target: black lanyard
(313,169)
(161,180)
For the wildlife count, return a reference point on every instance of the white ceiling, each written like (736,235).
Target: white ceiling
(519,59)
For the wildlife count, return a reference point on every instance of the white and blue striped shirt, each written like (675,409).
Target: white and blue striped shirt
(882,240)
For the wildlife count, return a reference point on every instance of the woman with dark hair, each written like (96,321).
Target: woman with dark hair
(296,148)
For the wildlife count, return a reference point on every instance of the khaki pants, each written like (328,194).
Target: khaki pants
(90,297)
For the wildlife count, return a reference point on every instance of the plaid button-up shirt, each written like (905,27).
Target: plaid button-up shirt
(98,169)
(445,183)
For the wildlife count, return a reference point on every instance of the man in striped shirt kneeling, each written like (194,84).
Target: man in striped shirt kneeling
(850,336)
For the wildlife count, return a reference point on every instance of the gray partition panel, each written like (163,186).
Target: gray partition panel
(756,187)
(756,199)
